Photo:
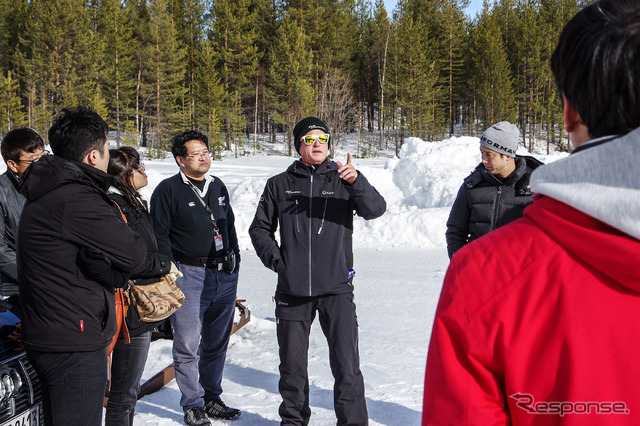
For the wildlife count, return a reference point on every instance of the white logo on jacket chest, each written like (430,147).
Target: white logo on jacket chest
(192,204)
(221,201)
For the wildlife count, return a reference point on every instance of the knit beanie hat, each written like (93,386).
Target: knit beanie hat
(306,125)
(502,137)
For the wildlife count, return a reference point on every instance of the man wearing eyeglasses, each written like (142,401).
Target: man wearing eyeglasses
(195,227)
(20,147)
(313,203)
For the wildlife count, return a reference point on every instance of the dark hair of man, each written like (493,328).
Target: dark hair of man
(177,144)
(596,65)
(76,132)
(123,163)
(21,138)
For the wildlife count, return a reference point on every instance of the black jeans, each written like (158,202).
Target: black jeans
(127,366)
(73,386)
(337,315)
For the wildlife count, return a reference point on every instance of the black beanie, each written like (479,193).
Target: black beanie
(306,125)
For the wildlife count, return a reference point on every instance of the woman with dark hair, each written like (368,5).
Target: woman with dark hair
(128,359)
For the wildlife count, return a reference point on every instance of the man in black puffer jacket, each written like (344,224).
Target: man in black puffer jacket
(313,203)
(69,319)
(496,192)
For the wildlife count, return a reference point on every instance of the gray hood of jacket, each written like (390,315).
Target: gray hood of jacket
(602,181)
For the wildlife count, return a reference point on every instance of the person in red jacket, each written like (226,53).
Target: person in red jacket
(538,321)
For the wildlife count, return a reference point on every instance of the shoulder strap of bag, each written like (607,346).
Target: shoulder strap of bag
(120,210)
(124,300)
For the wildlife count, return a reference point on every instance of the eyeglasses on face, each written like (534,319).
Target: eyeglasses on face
(311,139)
(140,169)
(34,157)
(200,154)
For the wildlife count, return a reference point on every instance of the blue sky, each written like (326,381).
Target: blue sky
(474,7)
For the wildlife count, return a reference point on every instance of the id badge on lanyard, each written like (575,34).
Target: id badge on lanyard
(217,237)
(218,240)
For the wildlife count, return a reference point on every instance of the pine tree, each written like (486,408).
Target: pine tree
(115,28)
(453,39)
(168,112)
(492,72)
(209,97)
(419,95)
(235,37)
(11,111)
(380,53)
(291,92)
(189,19)
(63,53)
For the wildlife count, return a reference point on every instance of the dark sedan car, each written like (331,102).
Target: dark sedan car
(20,399)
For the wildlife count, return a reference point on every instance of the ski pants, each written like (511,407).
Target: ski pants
(337,316)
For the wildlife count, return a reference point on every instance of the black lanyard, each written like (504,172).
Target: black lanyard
(211,218)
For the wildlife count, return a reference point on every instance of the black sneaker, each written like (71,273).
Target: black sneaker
(217,409)
(196,417)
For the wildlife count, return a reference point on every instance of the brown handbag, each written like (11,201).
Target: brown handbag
(156,301)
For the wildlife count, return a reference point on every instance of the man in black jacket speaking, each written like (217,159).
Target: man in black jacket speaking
(69,319)
(313,204)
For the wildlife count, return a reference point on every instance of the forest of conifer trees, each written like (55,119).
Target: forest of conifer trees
(235,69)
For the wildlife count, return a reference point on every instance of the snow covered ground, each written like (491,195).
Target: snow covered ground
(400,262)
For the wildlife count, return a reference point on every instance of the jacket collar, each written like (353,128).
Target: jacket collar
(52,171)
(601,181)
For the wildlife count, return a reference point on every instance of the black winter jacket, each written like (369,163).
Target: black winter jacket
(154,266)
(485,203)
(314,210)
(182,224)
(67,209)
(11,204)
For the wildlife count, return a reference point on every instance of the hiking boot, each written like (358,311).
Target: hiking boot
(196,417)
(217,409)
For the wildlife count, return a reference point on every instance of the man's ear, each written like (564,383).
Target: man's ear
(575,128)
(570,116)
(180,161)
(92,157)
(13,166)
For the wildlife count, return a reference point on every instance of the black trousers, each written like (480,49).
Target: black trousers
(337,316)
(73,386)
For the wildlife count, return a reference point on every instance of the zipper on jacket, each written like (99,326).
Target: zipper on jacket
(496,208)
(310,226)
(323,214)
(296,213)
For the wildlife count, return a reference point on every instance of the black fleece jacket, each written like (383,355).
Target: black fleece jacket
(67,209)
(314,210)
(182,224)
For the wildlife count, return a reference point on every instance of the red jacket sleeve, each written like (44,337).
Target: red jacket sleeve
(461,386)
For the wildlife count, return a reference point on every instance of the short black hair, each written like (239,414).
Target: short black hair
(77,131)
(596,66)
(178,141)
(21,138)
